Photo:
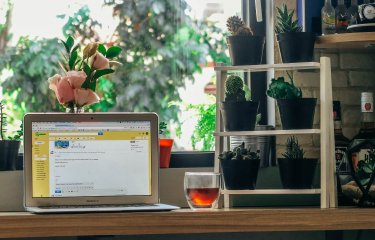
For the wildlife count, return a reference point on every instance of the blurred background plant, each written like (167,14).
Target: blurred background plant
(164,47)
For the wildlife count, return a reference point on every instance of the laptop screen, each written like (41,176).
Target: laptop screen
(78,159)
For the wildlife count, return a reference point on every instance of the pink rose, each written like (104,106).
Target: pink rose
(84,97)
(53,81)
(99,61)
(62,88)
(76,78)
(64,91)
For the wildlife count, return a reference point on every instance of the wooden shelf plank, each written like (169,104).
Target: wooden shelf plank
(266,67)
(271,191)
(269,132)
(346,40)
(19,225)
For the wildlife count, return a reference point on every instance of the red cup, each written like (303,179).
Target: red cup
(165,152)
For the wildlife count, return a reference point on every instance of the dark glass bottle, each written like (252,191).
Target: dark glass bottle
(342,18)
(341,145)
(361,150)
(367,130)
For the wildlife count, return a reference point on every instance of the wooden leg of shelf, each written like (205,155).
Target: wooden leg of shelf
(226,201)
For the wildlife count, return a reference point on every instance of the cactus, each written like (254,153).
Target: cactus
(293,149)
(284,22)
(240,153)
(237,27)
(235,91)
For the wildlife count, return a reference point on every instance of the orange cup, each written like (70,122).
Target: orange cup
(165,152)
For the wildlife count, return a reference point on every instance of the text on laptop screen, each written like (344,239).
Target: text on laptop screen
(74,159)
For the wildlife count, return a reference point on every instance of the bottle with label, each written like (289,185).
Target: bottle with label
(342,18)
(353,12)
(341,145)
(328,18)
(362,153)
(366,13)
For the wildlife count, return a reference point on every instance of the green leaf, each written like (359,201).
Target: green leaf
(102,72)
(102,49)
(113,52)
(86,69)
(247,92)
(72,60)
(93,85)
(75,48)
(69,44)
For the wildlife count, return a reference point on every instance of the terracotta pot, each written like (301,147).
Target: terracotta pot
(165,152)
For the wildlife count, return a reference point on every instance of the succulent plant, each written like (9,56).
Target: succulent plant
(284,21)
(237,27)
(280,89)
(240,153)
(293,149)
(236,90)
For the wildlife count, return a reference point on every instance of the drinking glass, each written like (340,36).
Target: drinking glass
(202,189)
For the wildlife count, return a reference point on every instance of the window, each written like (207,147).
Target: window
(169,47)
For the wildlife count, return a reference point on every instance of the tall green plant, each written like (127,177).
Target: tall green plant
(162,49)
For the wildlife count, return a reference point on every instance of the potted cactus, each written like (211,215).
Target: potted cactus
(238,111)
(244,47)
(9,146)
(295,112)
(240,168)
(296,171)
(294,45)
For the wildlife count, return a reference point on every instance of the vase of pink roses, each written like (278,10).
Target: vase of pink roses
(75,88)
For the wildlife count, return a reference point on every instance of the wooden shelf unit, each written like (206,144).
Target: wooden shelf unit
(185,221)
(347,40)
(327,189)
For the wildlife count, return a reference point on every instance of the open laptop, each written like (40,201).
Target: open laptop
(91,162)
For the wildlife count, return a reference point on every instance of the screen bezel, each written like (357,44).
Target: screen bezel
(29,118)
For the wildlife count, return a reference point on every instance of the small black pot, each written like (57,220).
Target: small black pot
(297,173)
(297,113)
(245,50)
(296,46)
(240,174)
(239,116)
(9,154)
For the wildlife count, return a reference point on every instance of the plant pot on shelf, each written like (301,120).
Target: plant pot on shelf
(240,174)
(165,151)
(239,116)
(265,144)
(297,113)
(245,50)
(297,173)
(9,154)
(296,46)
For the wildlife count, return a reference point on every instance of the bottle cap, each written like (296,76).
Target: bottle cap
(367,102)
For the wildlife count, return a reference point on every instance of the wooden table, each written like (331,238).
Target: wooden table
(22,224)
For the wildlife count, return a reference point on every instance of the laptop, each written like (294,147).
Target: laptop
(91,162)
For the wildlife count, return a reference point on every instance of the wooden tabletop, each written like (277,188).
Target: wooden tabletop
(185,221)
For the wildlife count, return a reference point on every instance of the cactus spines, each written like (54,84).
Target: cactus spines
(293,149)
(240,153)
(237,27)
(234,89)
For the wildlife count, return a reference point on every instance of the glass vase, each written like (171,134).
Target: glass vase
(74,109)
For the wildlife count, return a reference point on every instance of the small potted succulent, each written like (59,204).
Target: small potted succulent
(294,45)
(9,146)
(296,171)
(240,168)
(238,111)
(165,146)
(244,47)
(295,112)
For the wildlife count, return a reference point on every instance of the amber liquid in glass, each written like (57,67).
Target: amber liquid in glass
(202,197)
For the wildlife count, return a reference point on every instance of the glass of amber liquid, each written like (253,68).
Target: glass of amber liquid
(202,189)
